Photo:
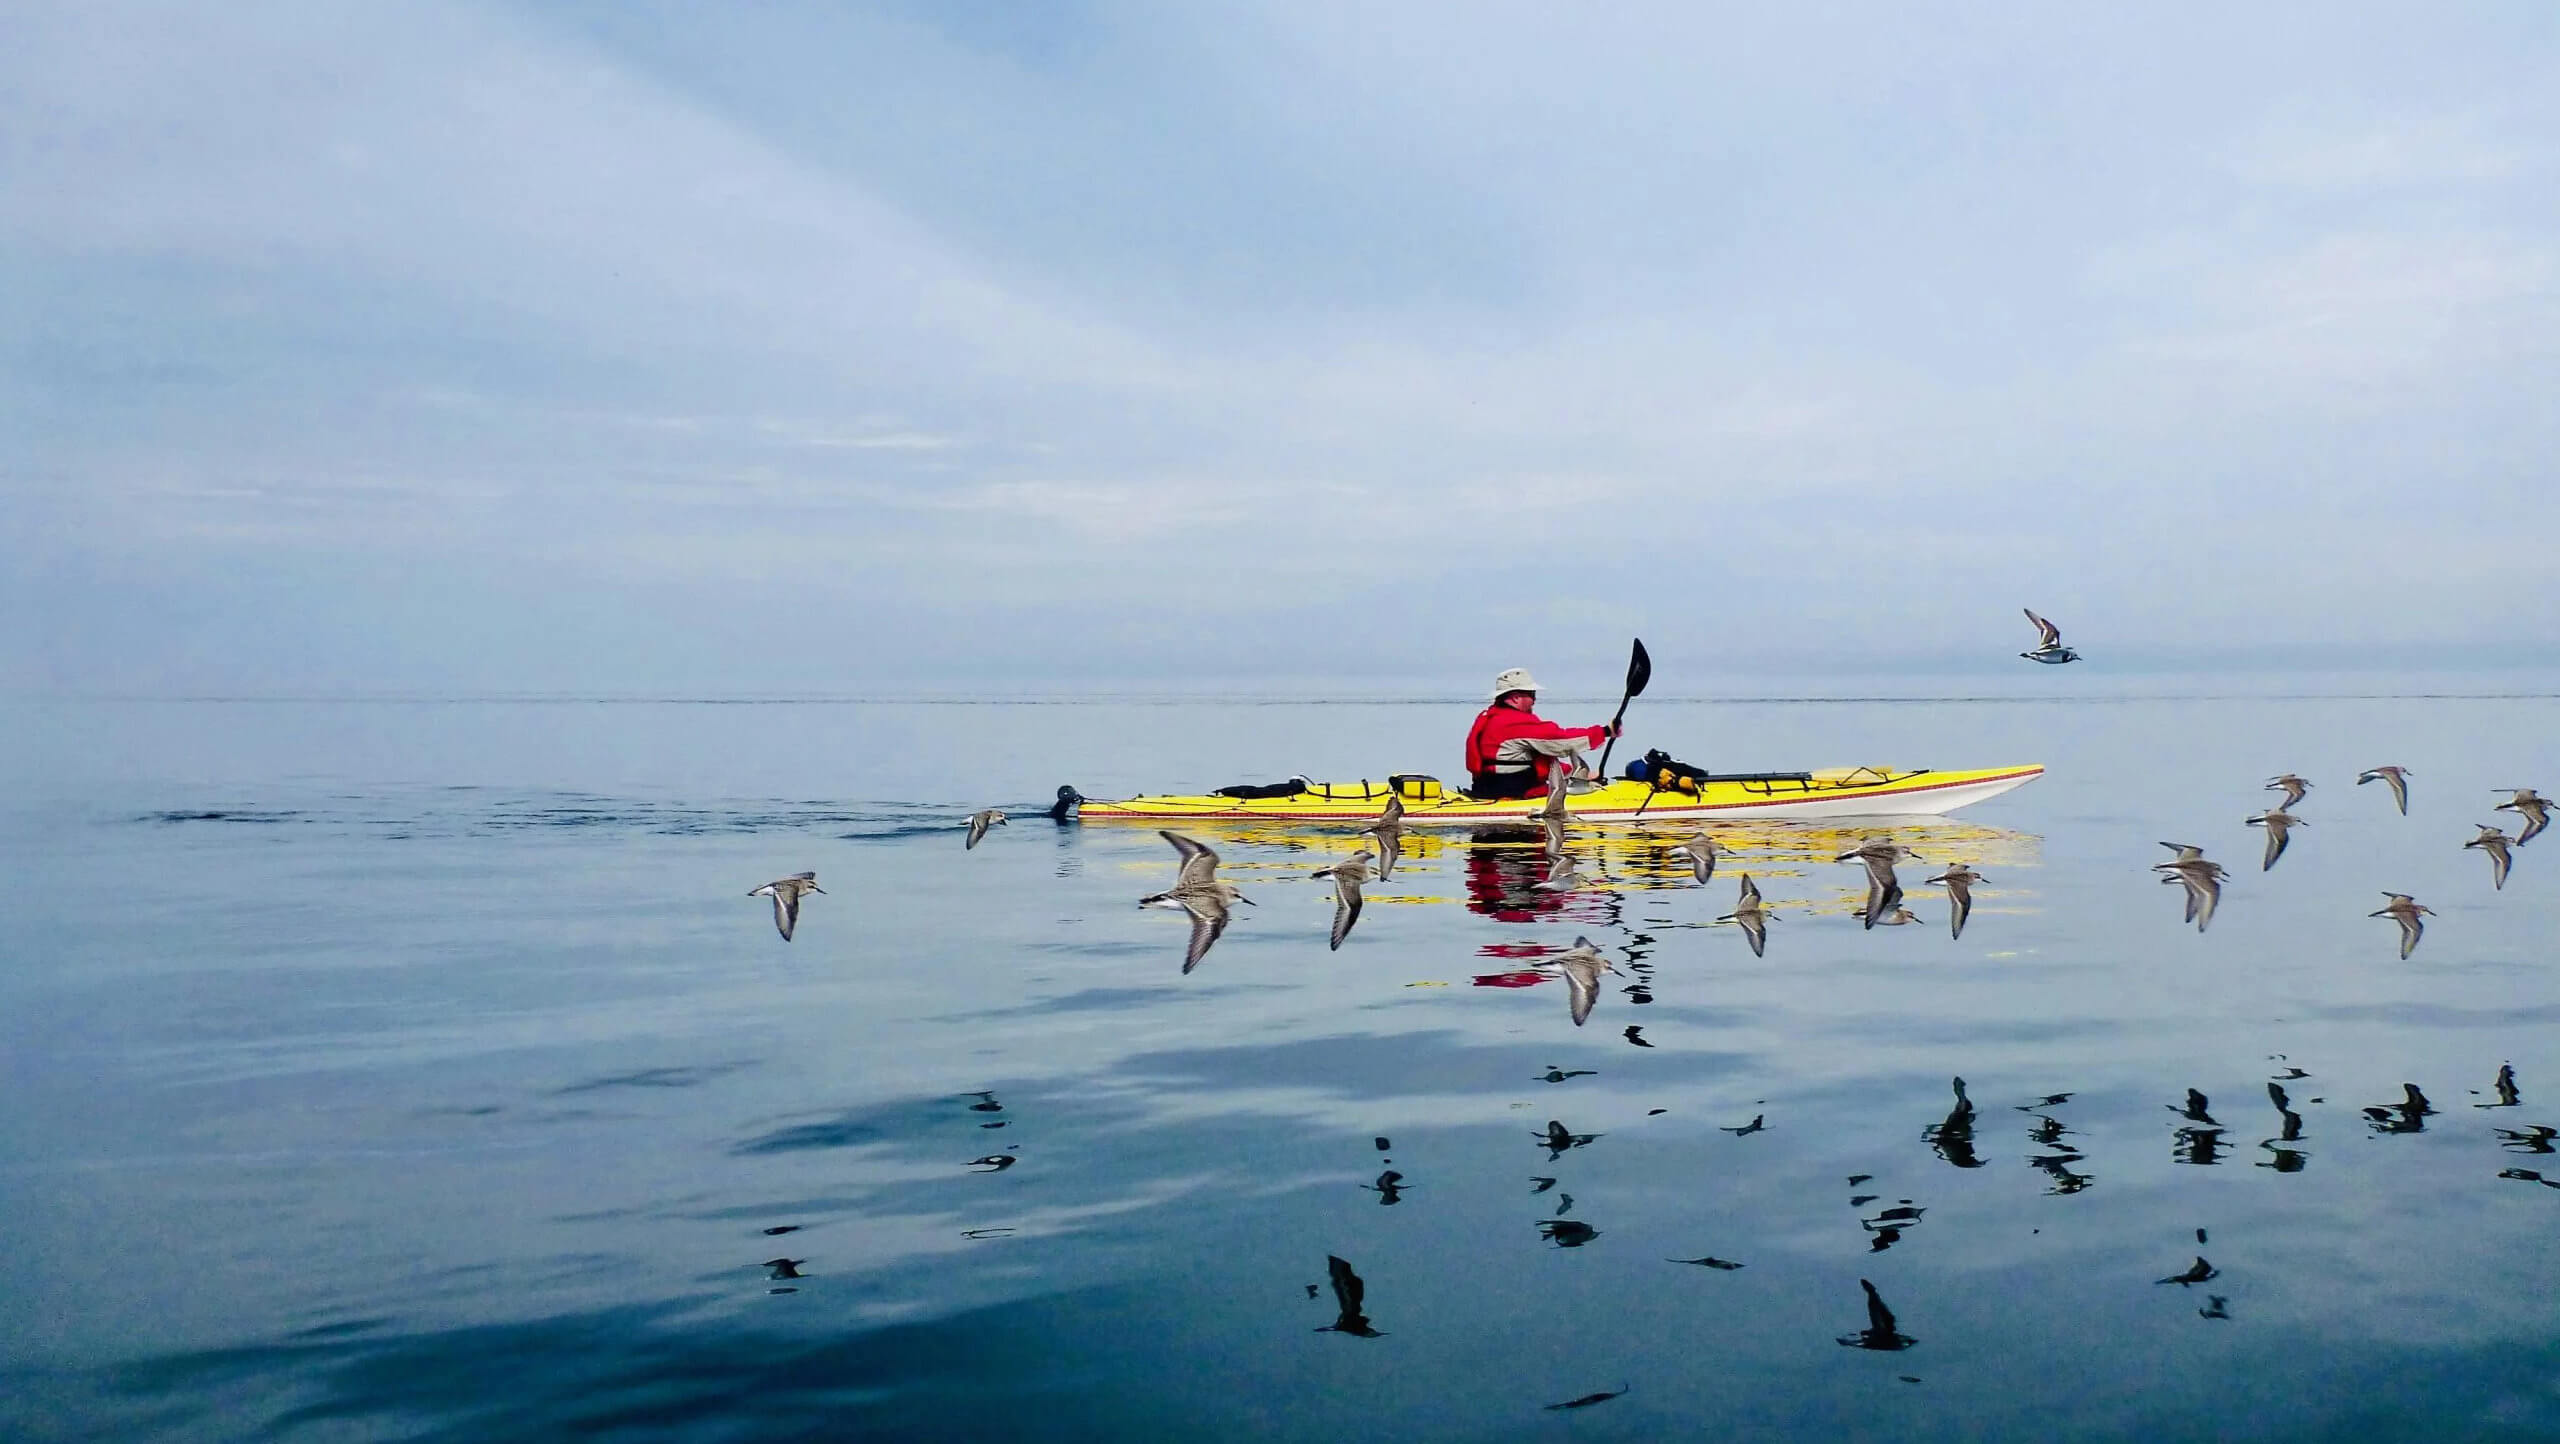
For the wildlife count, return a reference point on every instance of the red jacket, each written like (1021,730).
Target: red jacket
(1498,724)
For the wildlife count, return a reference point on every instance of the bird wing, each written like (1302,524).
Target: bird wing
(1348,1291)
(1750,889)
(1582,984)
(1959,905)
(786,910)
(2499,861)
(1884,890)
(1393,812)
(2411,929)
(2047,634)
(1554,828)
(1346,906)
(1199,863)
(1208,920)
(1390,847)
(2277,836)
(1701,853)
(977,829)
(2536,816)
(2399,789)
(1879,1318)
(1755,926)
(2208,890)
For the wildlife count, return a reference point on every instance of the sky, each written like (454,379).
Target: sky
(814,348)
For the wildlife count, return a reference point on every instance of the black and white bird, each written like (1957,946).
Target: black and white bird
(2049,648)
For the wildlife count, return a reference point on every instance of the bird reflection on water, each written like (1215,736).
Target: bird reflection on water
(1882,1331)
(2409,1115)
(1951,1137)
(1350,1296)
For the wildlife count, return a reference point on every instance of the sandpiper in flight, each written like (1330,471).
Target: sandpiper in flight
(1958,881)
(1347,876)
(2404,910)
(1582,966)
(2049,648)
(979,822)
(1751,916)
(1198,890)
(2279,824)
(2397,778)
(2534,809)
(1699,851)
(1884,890)
(2495,843)
(786,892)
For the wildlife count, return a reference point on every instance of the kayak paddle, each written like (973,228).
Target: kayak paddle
(1639,672)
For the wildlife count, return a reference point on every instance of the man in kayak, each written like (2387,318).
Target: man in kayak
(1511,751)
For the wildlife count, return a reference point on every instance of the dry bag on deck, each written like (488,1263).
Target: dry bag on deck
(1290,788)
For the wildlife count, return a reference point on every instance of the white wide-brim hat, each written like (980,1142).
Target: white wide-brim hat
(1515,680)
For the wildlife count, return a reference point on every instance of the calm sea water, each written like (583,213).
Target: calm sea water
(414,1070)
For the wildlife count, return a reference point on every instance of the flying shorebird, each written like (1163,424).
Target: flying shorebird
(2278,824)
(1582,966)
(1896,918)
(1388,833)
(1700,850)
(1958,881)
(2049,648)
(979,822)
(1347,876)
(2291,786)
(2203,881)
(2495,843)
(1750,916)
(2396,777)
(2535,810)
(785,892)
(1884,890)
(2404,910)
(1198,890)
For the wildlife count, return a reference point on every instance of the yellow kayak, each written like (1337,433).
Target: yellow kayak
(1834,792)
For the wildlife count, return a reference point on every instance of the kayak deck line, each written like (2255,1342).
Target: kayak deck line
(1835,792)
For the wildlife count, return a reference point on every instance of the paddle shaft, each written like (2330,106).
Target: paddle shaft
(1639,672)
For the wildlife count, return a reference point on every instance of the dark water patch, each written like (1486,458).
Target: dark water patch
(684,1076)
(2438,1015)
(859,1129)
(222,815)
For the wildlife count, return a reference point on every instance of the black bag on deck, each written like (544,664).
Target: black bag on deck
(1666,773)
(1290,788)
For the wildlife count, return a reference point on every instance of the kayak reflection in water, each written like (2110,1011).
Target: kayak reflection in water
(1511,750)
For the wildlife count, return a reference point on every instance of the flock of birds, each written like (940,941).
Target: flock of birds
(2202,878)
